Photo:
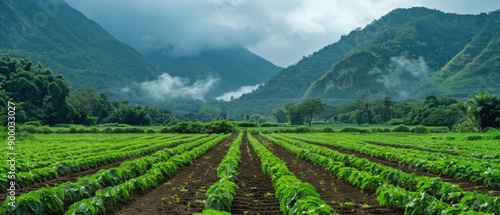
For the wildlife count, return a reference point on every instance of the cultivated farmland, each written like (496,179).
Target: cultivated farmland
(244,173)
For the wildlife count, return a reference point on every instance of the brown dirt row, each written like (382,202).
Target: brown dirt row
(182,194)
(256,193)
(343,197)
(465,185)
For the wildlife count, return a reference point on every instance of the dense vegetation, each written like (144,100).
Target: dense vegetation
(411,53)
(42,97)
(71,45)
(479,112)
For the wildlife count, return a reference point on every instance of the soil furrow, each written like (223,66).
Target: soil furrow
(255,194)
(343,197)
(182,194)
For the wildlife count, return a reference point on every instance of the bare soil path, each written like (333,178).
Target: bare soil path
(185,192)
(256,193)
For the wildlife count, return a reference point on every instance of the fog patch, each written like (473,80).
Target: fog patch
(402,75)
(167,87)
(228,96)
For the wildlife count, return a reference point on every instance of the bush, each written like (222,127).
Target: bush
(72,130)
(419,129)
(29,129)
(117,131)
(328,130)
(200,128)
(133,130)
(164,130)
(269,125)
(401,128)
(247,124)
(107,130)
(33,123)
(150,131)
(380,130)
(354,130)
(45,130)
(439,130)
(219,127)
(396,121)
(82,130)
(62,125)
(62,131)
(94,130)
(302,130)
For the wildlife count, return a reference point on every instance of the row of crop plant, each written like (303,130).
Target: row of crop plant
(62,168)
(368,175)
(295,196)
(33,159)
(484,172)
(39,153)
(453,143)
(56,199)
(221,194)
(159,172)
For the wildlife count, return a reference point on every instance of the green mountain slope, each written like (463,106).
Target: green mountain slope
(476,67)
(402,53)
(70,44)
(234,67)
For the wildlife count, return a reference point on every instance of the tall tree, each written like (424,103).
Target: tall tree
(279,114)
(310,108)
(294,113)
(485,109)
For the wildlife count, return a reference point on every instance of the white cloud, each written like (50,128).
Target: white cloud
(237,93)
(167,87)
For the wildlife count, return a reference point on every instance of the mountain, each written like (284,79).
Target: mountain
(234,67)
(408,53)
(85,54)
(63,39)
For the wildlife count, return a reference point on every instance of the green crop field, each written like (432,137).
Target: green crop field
(253,173)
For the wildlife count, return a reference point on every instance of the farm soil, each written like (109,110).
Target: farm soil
(256,193)
(465,185)
(341,196)
(184,193)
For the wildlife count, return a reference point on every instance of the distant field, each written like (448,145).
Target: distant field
(251,173)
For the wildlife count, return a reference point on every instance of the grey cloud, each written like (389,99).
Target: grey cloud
(279,30)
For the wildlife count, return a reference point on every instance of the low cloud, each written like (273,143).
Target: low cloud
(167,87)
(402,75)
(237,93)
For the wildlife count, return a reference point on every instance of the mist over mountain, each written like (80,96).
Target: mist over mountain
(230,69)
(410,53)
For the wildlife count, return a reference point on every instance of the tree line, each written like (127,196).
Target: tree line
(476,114)
(43,97)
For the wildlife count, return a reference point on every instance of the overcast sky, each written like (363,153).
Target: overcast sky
(282,31)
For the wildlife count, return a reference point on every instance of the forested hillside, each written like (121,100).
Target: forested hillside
(70,44)
(43,98)
(410,53)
